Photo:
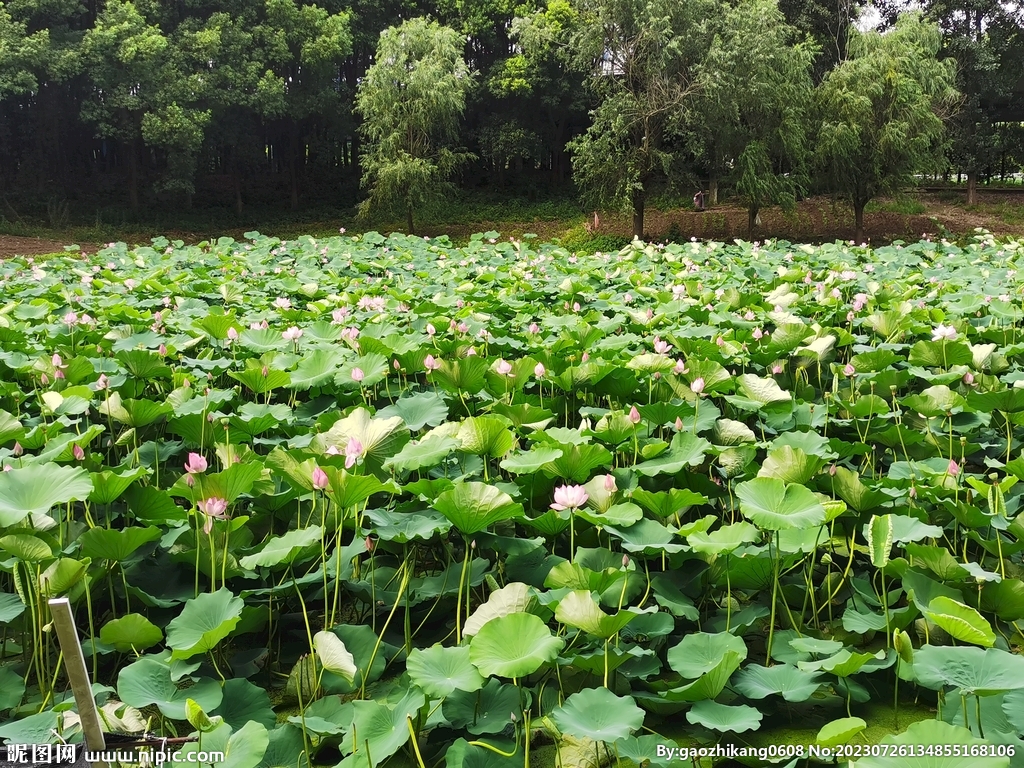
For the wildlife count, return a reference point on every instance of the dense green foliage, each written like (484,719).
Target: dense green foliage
(106,106)
(307,499)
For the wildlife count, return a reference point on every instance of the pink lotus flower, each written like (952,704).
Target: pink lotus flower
(634,415)
(232,334)
(78,453)
(776,369)
(319,479)
(350,334)
(431,363)
(697,385)
(757,334)
(462,328)
(504,368)
(431,330)
(196,464)
(680,367)
(17,450)
(57,362)
(214,507)
(102,382)
(953,469)
(353,452)
(661,347)
(539,370)
(969,379)
(609,483)
(44,379)
(292,334)
(358,375)
(71,319)
(585,357)
(338,316)
(162,350)
(534,328)
(283,303)
(569,497)
(679,424)
(849,370)
(943,332)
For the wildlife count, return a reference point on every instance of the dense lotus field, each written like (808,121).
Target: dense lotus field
(369,500)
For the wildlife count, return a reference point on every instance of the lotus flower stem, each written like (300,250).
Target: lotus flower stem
(458,599)
(415,742)
(380,638)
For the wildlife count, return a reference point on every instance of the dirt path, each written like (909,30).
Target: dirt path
(816,219)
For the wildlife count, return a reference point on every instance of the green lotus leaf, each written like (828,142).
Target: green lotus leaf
(419,410)
(148,681)
(419,455)
(25,547)
(686,450)
(440,671)
(11,607)
(473,507)
(37,488)
(790,465)
(961,621)
(116,545)
(514,597)
(723,717)
(513,646)
(974,671)
(380,438)
(109,484)
(203,623)
(61,575)
(487,710)
(381,727)
(700,652)
(243,703)
(316,369)
(934,733)
(283,549)
(485,436)
(131,633)
(775,506)
(726,539)
(840,731)
(598,714)
(579,610)
(531,461)
(243,748)
(785,680)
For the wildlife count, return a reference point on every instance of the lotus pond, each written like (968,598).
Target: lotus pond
(386,501)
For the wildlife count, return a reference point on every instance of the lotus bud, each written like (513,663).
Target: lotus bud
(17,450)
(368,543)
(697,385)
(265,372)
(954,468)
(162,350)
(396,365)
(431,330)
(319,479)
(625,561)
(78,453)
(539,370)
(679,424)
(609,483)
(513,717)
(534,328)
(634,415)
(472,545)
(358,375)
(968,379)
(849,370)
(232,334)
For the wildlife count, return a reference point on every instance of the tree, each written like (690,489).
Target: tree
(411,101)
(643,58)
(882,112)
(753,110)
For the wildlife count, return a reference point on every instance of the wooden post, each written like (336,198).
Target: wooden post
(78,674)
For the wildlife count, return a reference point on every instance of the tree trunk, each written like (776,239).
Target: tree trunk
(638,215)
(858,221)
(238,192)
(972,187)
(712,191)
(751,220)
(133,174)
(294,166)
(408,219)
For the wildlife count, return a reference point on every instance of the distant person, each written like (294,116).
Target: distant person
(698,200)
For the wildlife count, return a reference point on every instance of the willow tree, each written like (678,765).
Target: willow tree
(411,101)
(882,112)
(643,59)
(754,110)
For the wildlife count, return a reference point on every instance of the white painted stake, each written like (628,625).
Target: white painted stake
(78,674)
